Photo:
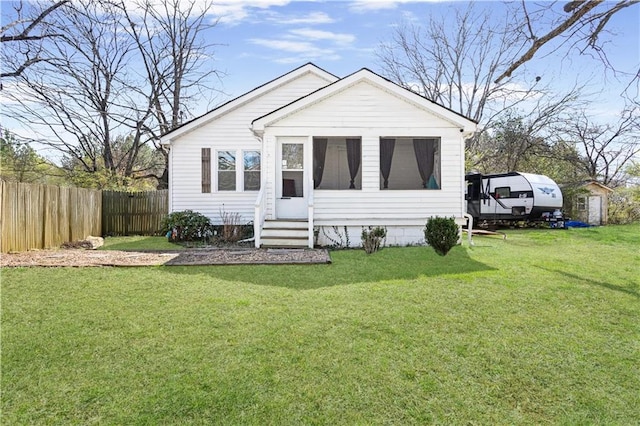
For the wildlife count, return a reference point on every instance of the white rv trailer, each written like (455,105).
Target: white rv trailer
(512,196)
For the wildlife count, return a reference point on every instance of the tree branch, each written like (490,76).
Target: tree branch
(538,43)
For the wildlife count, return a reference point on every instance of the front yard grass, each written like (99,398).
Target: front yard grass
(543,327)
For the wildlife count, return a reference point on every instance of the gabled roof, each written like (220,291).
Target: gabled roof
(596,183)
(465,123)
(242,99)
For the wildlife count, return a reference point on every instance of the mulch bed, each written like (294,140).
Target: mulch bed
(244,256)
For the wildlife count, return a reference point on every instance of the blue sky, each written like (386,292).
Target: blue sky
(260,40)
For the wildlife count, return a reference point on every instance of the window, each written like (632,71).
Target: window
(206,170)
(226,171)
(337,163)
(251,170)
(582,204)
(503,192)
(409,163)
(238,170)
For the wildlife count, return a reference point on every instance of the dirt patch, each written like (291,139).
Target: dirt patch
(81,257)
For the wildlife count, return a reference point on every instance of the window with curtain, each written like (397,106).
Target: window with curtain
(251,170)
(226,170)
(410,163)
(337,163)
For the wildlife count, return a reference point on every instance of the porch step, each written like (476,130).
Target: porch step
(285,233)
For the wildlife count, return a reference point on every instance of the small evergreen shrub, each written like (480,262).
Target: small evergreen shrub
(441,233)
(186,225)
(372,238)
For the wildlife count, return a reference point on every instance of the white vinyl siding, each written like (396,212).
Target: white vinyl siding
(370,112)
(230,132)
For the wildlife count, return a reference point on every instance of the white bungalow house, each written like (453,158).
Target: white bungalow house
(309,152)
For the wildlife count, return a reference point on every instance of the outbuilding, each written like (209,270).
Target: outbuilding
(592,203)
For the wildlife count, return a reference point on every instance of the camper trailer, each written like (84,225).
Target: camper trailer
(514,196)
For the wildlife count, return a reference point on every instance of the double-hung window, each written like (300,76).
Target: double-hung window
(226,170)
(235,170)
(251,175)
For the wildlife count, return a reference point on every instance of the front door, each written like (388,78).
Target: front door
(291,188)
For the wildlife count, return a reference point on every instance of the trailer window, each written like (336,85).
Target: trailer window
(503,192)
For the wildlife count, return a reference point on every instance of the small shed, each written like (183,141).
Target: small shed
(592,204)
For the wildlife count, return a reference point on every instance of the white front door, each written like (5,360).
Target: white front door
(291,186)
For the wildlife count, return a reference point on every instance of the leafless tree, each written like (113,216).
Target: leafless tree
(581,25)
(455,60)
(75,95)
(176,59)
(607,148)
(123,74)
(25,32)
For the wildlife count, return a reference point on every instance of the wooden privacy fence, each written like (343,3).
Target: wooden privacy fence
(36,216)
(133,213)
(45,216)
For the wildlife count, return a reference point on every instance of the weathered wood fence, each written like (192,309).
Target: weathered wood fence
(36,216)
(133,213)
(45,216)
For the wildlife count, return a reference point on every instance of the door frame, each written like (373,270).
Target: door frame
(293,207)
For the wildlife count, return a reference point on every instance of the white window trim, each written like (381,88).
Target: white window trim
(243,170)
(217,170)
(239,155)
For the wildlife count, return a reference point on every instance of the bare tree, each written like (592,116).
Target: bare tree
(609,148)
(176,58)
(75,93)
(123,74)
(455,60)
(584,22)
(28,30)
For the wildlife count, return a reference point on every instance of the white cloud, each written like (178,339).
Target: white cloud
(304,44)
(313,18)
(285,45)
(303,50)
(309,33)
(363,6)
(234,11)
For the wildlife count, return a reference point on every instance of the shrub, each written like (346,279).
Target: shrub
(231,226)
(186,225)
(624,205)
(372,237)
(441,233)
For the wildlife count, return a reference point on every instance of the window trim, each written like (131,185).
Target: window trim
(243,151)
(239,170)
(437,160)
(217,174)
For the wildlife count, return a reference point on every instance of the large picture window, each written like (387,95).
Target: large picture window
(337,163)
(409,163)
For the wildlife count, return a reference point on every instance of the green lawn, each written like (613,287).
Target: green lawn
(541,328)
(139,243)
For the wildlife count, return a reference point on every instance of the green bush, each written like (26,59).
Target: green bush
(372,237)
(624,205)
(186,225)
(441,233)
